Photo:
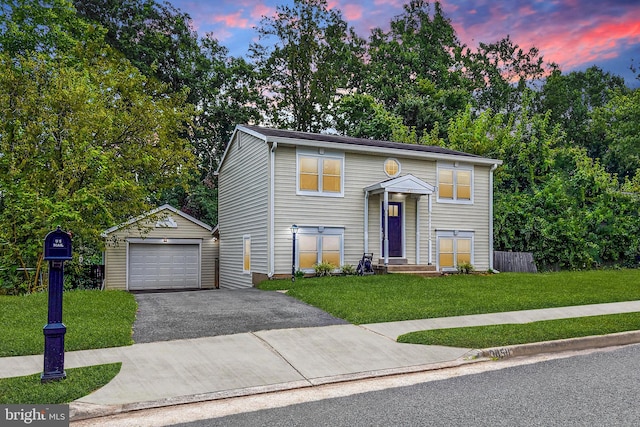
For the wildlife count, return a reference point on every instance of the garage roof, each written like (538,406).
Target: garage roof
(153,212)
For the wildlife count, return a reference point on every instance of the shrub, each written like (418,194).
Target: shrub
(465,268)
(324,269)
(348,270)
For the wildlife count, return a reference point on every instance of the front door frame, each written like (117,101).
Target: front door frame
(398,227)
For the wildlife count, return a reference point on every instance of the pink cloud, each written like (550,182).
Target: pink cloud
(235,20)
(352,12)
(261,10)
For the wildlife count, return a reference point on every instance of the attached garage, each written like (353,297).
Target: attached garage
(163,249)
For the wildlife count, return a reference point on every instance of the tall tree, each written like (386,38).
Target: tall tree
(619,123)
(502,72)
(415,69)
(572,98)
(306,53)
(85,142)
(158,39)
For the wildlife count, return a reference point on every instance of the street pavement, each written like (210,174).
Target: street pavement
(165,373)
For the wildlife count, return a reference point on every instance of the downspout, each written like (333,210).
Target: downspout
(366,221)
(429,226)
(272,191)
(418,230)
(493,168)
(386,228)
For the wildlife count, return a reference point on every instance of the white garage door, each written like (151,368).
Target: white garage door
(163,266)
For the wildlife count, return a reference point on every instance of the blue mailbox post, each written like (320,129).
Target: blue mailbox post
(57,250)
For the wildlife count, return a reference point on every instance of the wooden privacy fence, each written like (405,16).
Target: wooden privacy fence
(514,262)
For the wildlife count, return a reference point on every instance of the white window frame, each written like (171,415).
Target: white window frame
(384,167)
(455,167)
(246,243)
(455,235)
(320,231)
(320,155)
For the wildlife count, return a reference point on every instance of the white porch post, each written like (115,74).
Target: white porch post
(366,221)
(418,230)
(430,250)
(386,227)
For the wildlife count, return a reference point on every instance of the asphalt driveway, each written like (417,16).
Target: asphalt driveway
(164,316)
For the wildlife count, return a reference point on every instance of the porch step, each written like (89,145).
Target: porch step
(419,270)
(394,261)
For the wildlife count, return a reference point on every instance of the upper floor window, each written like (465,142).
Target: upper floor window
(392,168)
(455,184)
(320,174)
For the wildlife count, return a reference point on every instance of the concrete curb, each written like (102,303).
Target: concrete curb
(570,344)
(82,411)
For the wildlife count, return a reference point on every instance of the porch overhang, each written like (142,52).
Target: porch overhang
(407,184)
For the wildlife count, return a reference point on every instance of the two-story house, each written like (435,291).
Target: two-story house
(406,204)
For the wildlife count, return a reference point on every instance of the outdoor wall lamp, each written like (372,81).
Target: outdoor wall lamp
(294,230)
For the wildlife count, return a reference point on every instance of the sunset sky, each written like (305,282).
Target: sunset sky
(575,34)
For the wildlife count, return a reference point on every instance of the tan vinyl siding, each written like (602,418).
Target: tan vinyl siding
(466,217)
(243,198)
(116,248)
(361,170)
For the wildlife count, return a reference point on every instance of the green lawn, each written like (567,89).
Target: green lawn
(502,335)
(94,319)
(385,298)
(79,383)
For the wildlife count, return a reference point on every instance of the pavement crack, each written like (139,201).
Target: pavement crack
(281,356)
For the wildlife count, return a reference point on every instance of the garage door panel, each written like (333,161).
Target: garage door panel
(163,266)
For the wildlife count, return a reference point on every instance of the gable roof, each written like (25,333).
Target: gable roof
(339,142)
(402,184)
(153,212)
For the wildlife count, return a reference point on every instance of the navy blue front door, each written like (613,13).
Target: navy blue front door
(395,229)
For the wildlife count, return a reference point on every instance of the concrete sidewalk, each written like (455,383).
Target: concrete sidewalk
(192,370)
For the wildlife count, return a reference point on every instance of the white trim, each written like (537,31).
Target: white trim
(491,216)
(384,167)
(355,148)
(407,184)
(384,241)
(161,241)
(271,259)
(320,155)
(385,151)
(153,212)
(455,167)
(319,230)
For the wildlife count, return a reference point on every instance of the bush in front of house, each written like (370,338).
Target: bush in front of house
(324,269)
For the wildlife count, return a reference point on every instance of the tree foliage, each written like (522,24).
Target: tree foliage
(306,53)
(85,141)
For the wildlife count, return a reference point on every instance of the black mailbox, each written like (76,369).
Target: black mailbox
(57,246)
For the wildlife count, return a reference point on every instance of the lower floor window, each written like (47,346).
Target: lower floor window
(454,249)
(246,253)
(319,244)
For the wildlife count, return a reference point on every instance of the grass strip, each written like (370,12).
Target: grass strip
(79,383)
(395,297)
(511,334)
(94,319)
